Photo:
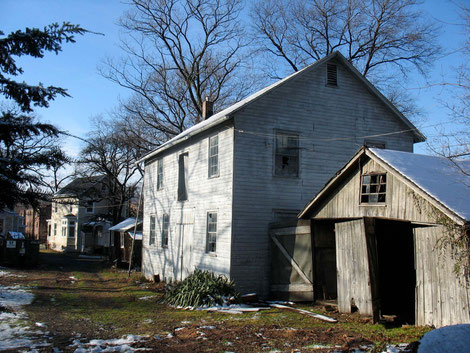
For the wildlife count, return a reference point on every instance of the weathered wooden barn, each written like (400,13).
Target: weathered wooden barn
(211,192)
(379,234)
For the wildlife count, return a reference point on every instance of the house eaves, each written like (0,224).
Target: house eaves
(227,113)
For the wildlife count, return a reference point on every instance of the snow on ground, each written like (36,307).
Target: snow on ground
(113,345)
(449,339)
(14,330)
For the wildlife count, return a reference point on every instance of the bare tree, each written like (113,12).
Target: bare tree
(384,39)
(178,53)
(107,153)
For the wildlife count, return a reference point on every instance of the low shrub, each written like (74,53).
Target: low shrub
(201,288)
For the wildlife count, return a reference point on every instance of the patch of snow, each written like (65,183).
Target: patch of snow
(14,332)
(122,344)
(147,297)
(207,327)
(40,324)
(449,339)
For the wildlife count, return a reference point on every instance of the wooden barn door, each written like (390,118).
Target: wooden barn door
(352,261)
(291,261)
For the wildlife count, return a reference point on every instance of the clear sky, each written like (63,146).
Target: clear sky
(75,68)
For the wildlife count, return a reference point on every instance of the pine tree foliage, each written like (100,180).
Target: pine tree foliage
(28,148)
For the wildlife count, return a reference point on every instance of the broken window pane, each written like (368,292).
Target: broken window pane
(287,155)
(373,188)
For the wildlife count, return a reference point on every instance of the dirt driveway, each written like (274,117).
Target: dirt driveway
(83,305)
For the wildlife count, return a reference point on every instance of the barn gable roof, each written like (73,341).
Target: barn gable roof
(227,113)
(444,183)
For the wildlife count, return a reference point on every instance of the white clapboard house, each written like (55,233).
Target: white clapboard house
(211,192)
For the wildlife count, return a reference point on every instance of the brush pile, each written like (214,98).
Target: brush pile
(201,288)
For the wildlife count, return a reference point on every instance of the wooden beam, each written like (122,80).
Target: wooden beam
(291,260)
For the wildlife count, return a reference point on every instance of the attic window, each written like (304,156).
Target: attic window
(373,188)
(331,75)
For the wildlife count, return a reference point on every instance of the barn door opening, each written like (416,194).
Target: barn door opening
(324,257)
(396,270)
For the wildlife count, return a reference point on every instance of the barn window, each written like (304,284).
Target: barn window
(211,231)
(373,188)
(331,74)
(287,155)
(160,174)
(152,230)
(213,156)
(165,226)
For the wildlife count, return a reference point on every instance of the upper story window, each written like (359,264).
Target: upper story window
(90,207)
(286,155)
(373,188)
(152,230)
(211,232)
(70,208)
(331,74)
(160,174)
(165,227)
(183,177)
(213,156)
(55,207)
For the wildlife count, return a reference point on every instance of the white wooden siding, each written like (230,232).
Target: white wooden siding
(332,123)
(204,194)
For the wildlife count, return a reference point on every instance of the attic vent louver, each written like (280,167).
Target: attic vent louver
(331,75)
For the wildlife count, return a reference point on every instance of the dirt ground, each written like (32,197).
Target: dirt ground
(83,299)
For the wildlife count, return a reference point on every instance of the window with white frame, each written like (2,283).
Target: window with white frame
(211,232)
(373,188)
(64,228)
(55,229)
(55,207)
(71,229)
(160,174)
(286,155)
(121,240)
(213,156)
(165,227)
(152,230)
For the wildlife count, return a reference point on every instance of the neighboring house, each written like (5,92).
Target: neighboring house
(387,215)
(123,238)
(81,217)
(35,220)
(211,192)
(10,221)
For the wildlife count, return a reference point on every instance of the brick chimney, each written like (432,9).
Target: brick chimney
(207,109)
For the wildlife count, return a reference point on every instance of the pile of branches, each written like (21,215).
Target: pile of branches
(201,288)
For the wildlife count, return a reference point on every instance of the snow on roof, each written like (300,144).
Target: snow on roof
(16,235)
(139,235)
(437,176)
(124,225)
(225,114)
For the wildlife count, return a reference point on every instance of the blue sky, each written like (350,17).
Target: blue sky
(75,68)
